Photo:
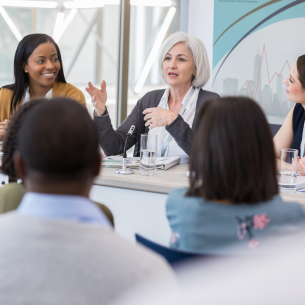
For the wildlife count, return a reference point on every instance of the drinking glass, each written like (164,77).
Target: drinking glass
(148,156)
(288,170)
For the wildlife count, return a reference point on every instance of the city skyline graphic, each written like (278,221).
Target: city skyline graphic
(274,104)
(258,61)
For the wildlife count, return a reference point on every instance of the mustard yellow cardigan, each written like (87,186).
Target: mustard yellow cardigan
(59,89)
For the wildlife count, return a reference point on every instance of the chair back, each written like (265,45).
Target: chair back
(171,255)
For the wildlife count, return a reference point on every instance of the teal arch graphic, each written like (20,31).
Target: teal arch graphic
(275,16)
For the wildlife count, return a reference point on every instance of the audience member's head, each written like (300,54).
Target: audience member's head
(58,149)
(10,142)
(233,158)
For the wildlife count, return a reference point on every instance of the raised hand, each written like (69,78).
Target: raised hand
(98,97)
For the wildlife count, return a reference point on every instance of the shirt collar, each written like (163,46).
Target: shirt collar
(27,95)
(165,95)
(72,208)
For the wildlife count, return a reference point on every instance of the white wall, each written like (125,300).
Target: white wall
(201,25)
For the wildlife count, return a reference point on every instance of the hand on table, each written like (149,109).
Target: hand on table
(301,166)
(3,127)
(158,117)
(98,97)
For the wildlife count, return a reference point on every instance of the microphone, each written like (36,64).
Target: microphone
(131,130)
(124,170)
(129,133)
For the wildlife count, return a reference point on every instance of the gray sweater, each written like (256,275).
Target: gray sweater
(112,141)
(52,262)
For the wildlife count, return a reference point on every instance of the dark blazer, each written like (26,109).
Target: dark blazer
(298,119)
(112,141)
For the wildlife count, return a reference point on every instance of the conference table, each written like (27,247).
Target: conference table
(138,202)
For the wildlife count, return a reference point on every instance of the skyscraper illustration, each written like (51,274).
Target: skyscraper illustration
(268,91)
(244,92)
(251,88)
(267,98)
(279,89)
(230,86)
(257,78)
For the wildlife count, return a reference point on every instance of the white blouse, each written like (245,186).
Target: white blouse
(173,148)
(27,95)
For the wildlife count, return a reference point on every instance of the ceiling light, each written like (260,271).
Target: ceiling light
(153,53)
(84,4)
(58,26)
(63,25)
(112,2)
(166,3)
(34,4)
(10,23)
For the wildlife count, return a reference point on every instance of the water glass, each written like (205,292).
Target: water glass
(288,170)
(148,157)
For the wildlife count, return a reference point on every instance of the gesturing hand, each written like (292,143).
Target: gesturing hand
(158,117)
(98,97)
(3,127)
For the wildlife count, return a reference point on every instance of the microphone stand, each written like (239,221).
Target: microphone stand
(124,170)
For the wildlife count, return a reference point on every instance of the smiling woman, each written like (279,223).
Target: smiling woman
(292,132)
(38,73)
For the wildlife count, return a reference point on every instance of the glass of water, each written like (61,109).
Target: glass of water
(288,170)
(148,152)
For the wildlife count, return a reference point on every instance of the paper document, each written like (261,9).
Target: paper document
(163,163)
(116,161)
(300,182)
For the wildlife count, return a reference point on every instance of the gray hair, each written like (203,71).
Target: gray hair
(199,54)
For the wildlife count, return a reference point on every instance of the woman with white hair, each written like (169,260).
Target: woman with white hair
(169,113)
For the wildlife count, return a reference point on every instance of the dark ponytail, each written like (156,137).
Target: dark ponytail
(301,70)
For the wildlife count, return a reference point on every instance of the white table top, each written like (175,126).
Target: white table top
(163,182)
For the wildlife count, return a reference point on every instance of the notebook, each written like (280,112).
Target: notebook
(163,163)
(301,184)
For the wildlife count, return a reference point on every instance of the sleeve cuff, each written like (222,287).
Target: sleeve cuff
(174,123)
(103,115)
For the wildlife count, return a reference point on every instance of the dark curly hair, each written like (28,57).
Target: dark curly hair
(10,142)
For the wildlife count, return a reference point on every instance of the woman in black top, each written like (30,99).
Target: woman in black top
(291,132)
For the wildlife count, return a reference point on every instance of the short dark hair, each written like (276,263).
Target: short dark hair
(24,50)
(301,70)
(233,157)
(10,142)
(58,138)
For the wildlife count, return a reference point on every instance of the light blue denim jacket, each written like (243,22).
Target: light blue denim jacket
(206,227)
